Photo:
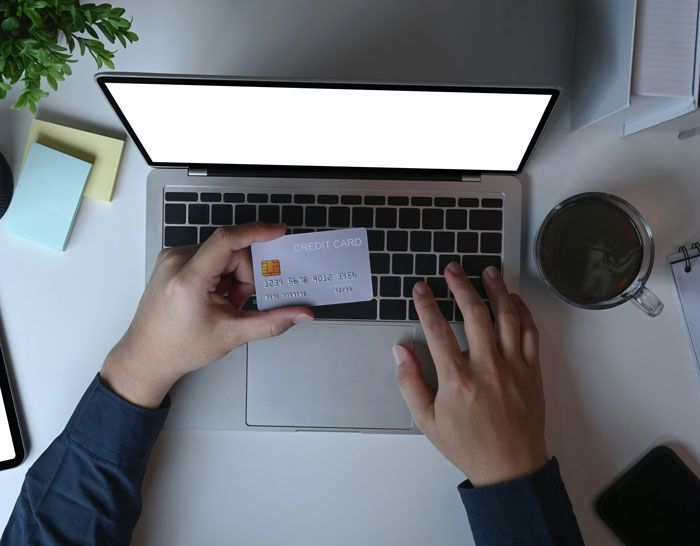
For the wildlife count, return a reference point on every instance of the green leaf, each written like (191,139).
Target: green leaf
(91,31)
(121,39)
(21,102)
(52,82)
(32,106)
(131,36)
(9,24)
(88,15)
(3,94)
(108,63)
(40,4)
(116,12)
(5,86)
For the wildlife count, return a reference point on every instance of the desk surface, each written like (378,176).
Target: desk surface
(617,382)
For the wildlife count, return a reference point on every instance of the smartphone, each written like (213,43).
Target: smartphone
(11,445)
(657,501)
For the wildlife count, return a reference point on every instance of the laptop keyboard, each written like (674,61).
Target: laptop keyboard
(410,239)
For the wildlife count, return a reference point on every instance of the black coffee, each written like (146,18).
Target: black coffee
(590,251)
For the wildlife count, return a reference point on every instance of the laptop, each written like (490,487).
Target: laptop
(427,168)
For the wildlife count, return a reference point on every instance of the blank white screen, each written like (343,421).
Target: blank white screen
(7,448)
(246,125)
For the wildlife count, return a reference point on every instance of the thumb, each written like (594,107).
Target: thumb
(409,378)
(252,325)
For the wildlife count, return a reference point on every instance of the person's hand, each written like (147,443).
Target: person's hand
(487,416)
(184,321)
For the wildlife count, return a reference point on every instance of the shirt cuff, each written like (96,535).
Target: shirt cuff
(111,428)
(532,506)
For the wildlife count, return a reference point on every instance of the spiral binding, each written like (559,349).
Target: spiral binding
(686,256)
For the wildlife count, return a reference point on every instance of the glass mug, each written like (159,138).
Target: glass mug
(595,251)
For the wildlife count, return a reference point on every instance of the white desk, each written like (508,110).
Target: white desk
(617,382)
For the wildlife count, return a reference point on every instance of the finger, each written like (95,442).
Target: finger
(239,294)
(218,255)
(505,313)
(441,340)
(415,391)
(251,325)
(529,335)
(225,284)
(477,319)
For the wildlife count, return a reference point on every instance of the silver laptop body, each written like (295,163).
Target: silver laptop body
(332,374)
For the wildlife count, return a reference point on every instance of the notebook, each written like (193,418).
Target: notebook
(47,197)
(685,265)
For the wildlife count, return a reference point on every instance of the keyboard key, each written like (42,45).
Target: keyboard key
(456,219)
(397,200)
(458,314)
(245,214)
(351,199)
(257,198)
(293,216)
(397,241)
(386,218)
(280,198)
(443,241)
(175,214)
(303,230)
(402,264)
(491,243)
(390,287)
(432,219)
(374,199)
(425,264)
(338,217)
(180,196)
(439,286)
(420,241)
(445,260)
(375,283)
(392,309)
(408,283)
(447,307)
(327,199)
(409,218)
(361,216)
(179,236)
(222,215)
(378,263)
(412,315)
(421,201)
(358,310)
(486,219)
(210,197)
(268,213)
(304,198)
(234,197)
(375,239)
(467,243)
(478,284)
(474,265)
(468,202)
(492,203)
(199,214)
(445,201)
(315,216)
(205,233)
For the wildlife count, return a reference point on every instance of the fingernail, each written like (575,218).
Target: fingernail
(421,288)
(455,268)
(302,318)
(399,354)
(493,273)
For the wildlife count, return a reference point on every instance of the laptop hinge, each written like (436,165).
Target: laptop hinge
(470,178)
(196,172)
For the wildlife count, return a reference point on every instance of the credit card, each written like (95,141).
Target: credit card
(320,268)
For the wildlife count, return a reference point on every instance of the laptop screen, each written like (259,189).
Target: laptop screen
(190,122)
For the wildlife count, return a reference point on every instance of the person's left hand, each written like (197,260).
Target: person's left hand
(184,321)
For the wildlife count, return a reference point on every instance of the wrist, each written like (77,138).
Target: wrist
(494,472)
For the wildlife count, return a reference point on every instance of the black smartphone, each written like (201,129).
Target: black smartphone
(655,502)
(11,445)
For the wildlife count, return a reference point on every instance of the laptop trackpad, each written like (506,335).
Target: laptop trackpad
(327,376)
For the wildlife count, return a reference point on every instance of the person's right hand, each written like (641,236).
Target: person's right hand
(487,416)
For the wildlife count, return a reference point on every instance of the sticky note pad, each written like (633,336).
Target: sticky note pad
(47,196)
(103,152)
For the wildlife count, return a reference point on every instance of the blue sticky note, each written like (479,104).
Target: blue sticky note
(47,197)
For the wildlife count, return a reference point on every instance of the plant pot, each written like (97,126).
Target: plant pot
(6,185)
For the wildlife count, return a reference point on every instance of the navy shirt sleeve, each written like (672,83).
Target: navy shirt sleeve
(532,510)
(86,487)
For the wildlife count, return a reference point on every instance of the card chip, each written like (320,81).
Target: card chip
(270,268)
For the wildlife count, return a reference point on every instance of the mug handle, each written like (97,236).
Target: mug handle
(647,301)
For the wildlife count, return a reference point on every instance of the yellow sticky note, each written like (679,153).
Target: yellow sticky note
(103,152)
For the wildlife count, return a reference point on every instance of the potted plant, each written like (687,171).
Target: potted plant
(31,33)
